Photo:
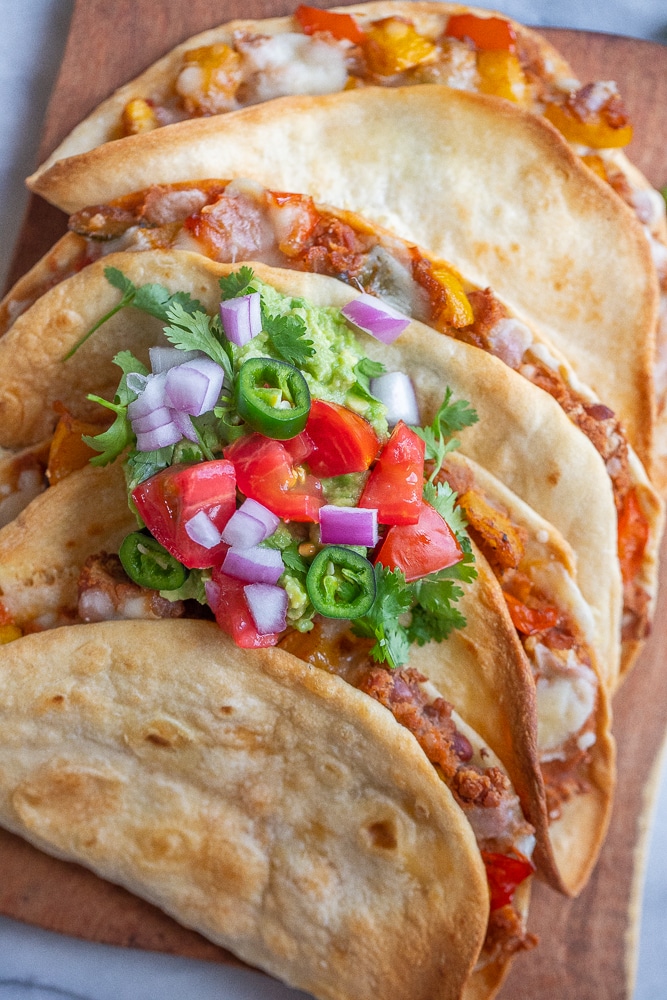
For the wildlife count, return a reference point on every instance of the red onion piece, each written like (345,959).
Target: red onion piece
(185,426)
(396,391)
(261,513)
(256,565)
(348,525)
(375,317)
(150,399)
(194,387)
(136,382)
(201,529)
(161,437)
(241,318)
(267,606)
(164,358)
(243,531)
(212,593)
(153,420)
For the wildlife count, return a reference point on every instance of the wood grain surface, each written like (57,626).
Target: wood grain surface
(587,945)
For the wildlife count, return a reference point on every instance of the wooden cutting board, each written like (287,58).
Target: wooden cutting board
(588,945)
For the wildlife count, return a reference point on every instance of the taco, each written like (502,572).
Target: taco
(269,805)
(564,482)
(231,221)
(486,672)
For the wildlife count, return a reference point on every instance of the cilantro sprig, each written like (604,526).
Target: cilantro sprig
(438,437)
(150,298)
(287,337)
(112,442)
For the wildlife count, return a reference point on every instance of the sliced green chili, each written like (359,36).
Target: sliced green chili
(341,583)
(273,397)
(148,564)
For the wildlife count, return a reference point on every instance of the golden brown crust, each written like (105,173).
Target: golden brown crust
(196,782)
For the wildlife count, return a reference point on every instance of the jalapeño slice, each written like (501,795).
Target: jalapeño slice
(148,564)
(341,583)
(273,397)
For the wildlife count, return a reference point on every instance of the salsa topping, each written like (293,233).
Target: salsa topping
(276,492)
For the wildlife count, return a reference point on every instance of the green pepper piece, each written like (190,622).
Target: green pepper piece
(148,564)
(273,397)
(341,583)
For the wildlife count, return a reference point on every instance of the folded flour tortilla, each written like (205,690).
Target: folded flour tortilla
(262,802)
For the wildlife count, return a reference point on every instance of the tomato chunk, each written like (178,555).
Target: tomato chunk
(228,603)
(418,549)
(342,440)
(341,26)
(169,499)
(529,621)
(505,873)
(267,472)
(488,33)
(396,482)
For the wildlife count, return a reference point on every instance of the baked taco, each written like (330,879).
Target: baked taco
(269,805)
(231,221)
(483,671)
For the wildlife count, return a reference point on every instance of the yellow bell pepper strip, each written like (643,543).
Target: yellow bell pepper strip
(393,45)
(138,117)
(500,74)
(599,131)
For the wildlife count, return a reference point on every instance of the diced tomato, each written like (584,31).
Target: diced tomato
(267,472)
(169,499)
(488,33)
(228,603)
(505,873)
(342,440)
(396,482)
(633,534)
(418,549)
(341,26)
(529,621)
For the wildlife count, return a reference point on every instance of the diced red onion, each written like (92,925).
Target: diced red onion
(200,529)
(348,525)
(241,318)
(396,391)
(243,531)
(150,399)
(261,513)
(212,593)
(161,437)
(164,358)
(185,425)
(267,606)
(194,387)
(136,382)
(153,420)
(255,565)
(375,317)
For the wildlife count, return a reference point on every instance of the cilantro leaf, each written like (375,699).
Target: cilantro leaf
(365,370)
(197,332)
(443,498)
(238,283)
(450,418)
(112,442)
(141,465)
(392,599)
(287,336)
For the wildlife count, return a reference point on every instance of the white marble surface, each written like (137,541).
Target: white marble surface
(34,964)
